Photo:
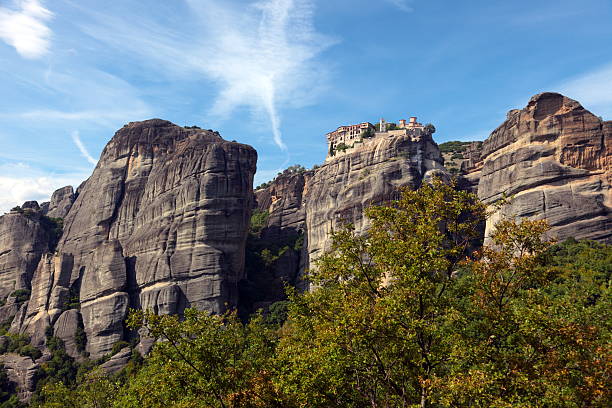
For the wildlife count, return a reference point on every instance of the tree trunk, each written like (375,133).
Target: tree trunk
(423,398)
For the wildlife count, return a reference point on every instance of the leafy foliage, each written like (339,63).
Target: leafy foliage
(8,392)
(212,361)
(59,369)
(80,338)
(54,228)
(407,315)
(20,344)
(341,147)
(372,333)
(453,147)
(367,134)
(259,220)
(21,295)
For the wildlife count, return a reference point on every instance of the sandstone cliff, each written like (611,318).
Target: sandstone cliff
(24,237)
(60,204)
(314,203)
(342,188)
(23,240)
(161,224)
(554,158)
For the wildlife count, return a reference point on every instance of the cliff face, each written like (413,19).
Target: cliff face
(554,157)
(342,188)
(161,224)
(23,240)
(60,204)
(316,202)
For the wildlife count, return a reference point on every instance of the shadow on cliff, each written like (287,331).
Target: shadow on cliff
(272,262)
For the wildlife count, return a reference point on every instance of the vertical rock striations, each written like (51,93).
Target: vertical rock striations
(554,158)
(342,188)
(161,224)
(318,201)
(23,240)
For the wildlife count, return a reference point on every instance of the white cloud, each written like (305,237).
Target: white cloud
(77,140)
(592,89)
(401,4)
(24,28)
(260,55)
(20,182)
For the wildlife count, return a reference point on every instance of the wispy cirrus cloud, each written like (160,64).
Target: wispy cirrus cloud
(593,89)
(260,55)
(403,5)
(76,138)
(88,97)
(24,27)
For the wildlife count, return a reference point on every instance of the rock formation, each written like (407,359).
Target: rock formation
(23,240)
(21,371)
(554,158)
(60,204)
(341,189)
(161,224)
(281,206)
(316,202)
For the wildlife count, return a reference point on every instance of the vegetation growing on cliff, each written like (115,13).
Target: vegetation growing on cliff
(289,171)
(453,147)
(262,255)
(407,315)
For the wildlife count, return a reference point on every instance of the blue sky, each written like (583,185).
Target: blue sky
(278,74)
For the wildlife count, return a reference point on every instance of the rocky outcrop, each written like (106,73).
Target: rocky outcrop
(161,224)
(342,188)
(284,202)
(316,202)
(21,371)
(60,204)
(554,158)
(118,361)
(23,240)
(66,328)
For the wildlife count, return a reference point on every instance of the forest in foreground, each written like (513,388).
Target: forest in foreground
(413,314)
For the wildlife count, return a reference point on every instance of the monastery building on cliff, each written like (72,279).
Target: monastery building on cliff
(347,138)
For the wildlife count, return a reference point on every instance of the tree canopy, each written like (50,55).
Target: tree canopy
(413,313)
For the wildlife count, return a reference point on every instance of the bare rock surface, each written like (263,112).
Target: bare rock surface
(66,328)
(60,204)
(118,361)
(342,188)
(21,371)
(23,240)
(554,158)
(161,224)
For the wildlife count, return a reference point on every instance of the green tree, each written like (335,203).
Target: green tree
(204,361)
(532,331)
(96,390)
(372,332)
(59,369)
